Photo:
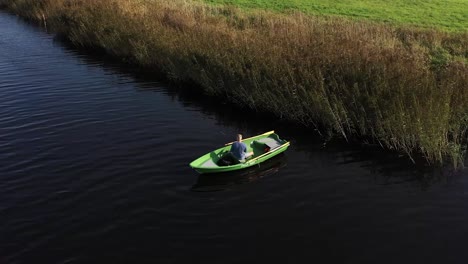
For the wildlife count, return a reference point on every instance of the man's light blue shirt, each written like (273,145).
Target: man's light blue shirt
(238,149)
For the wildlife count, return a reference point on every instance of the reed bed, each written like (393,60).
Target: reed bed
(402,87)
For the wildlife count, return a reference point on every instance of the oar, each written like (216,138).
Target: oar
(264,134)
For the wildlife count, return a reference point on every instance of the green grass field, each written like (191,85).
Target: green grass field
(451,15)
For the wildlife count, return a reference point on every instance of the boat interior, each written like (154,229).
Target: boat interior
(258,147)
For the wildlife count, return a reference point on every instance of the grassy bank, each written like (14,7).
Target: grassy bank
(451,15)
(402,87)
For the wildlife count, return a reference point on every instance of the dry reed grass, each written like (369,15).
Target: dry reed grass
(405,88)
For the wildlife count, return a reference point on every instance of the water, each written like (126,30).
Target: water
(94,169)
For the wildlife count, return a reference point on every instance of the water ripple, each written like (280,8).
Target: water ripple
(94,169)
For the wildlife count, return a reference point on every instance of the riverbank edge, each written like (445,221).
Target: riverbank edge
(456,155)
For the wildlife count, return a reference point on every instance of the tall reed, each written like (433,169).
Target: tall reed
(405,88)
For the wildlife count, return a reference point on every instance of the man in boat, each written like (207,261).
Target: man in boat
(239,149)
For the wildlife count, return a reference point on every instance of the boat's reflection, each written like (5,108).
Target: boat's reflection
(221,181)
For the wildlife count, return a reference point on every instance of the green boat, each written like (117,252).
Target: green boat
(264,146)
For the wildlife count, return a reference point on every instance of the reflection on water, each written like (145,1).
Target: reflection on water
(222,181)
(388,168)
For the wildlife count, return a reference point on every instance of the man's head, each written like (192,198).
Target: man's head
(239,137)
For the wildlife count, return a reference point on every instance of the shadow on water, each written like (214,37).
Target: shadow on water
(387,167)
(390,168)
(227,180)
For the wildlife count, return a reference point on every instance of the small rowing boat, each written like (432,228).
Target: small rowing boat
(264,147)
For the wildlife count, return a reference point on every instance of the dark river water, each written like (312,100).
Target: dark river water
(94,169)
